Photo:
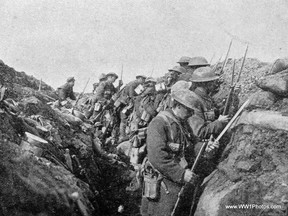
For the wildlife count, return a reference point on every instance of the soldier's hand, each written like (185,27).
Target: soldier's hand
(223,118)
(190,177)
(120,82)
(213,145)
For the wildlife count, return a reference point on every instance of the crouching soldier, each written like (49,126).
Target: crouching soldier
(169,149)
(65,92)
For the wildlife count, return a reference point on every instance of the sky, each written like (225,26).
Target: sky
(56,39)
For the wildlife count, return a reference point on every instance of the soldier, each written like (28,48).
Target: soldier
(184,61)
(162,100)
(65,92)
(102,78)
(103,94)
(193,64)
(197,62)
(206,121)
(144,108)
(168,142)
(129,95)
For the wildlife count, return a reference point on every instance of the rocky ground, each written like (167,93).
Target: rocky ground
(44,184)
(253,168)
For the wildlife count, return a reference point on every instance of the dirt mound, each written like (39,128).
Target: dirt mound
(251,178)
(46,184)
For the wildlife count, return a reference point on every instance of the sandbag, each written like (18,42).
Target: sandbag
(266,119)
(73,120)
(279,65)
(276,83)
(262,99)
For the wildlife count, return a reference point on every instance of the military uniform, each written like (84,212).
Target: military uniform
(128,95)
(129,90)
(66,91)
(104,88)
(169,163)
(163,99)
(204,121)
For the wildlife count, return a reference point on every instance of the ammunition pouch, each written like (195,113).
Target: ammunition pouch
(174,147)
(210,115)
(97,107)
(151,181)
(142,133)
(119,103)
(145,116)
(127,109)
(137,154)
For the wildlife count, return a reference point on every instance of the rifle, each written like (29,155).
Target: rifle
(187,185)
(83,172)
(232,87)
(120,81)
(201,152)
(152,71)
(226,58)
(216,65)
(81,94)
(212,58)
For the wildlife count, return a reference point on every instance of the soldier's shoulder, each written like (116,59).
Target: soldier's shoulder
(157,121)
(64,86)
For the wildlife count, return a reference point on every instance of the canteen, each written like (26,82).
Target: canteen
(97,107)
(139,89)
(160,87)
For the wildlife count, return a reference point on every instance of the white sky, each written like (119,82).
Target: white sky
(58,38)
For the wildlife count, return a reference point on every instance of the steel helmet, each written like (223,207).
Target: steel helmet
(150,79)
(141,76)
(178,69)
(70,79)
(102,76)
(204,74)
(112,74)
(198,61)
(184,59)
(181,85)
(186,97)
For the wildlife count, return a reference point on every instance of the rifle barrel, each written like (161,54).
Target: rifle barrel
(233,73)
(121,72)
(212,58)
(242,64)
(225,62)
(226,107)
(196,162)
(232,121)
(82,92)
(216,65)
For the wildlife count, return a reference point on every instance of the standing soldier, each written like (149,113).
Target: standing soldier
(206,121)
(65,92)
(144,109)
(128,95)
(194,63)
(162,100)
(103,94)
(166,170)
